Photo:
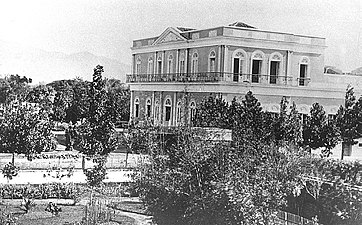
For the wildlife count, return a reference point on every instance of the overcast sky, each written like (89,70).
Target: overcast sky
(107,27)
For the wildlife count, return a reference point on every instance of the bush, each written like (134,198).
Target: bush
(42,191)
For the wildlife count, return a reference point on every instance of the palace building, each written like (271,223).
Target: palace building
(173,72)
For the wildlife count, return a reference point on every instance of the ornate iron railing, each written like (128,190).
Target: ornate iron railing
(215,77)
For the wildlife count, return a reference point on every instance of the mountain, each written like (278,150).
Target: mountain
(44,67)
(357,71)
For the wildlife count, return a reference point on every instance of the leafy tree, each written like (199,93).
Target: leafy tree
(14,88)
(212,112)
(183,185)
(349,118)
(280,128)
(24,130)
(96,134)
(118,101)
(293,127)
(318,132)
(252,125)
(42,95)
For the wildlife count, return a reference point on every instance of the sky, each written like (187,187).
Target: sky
(107,27)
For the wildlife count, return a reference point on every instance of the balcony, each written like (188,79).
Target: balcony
(217,77)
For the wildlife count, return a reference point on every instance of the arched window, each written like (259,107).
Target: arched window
(303,71)
(194,63)
(168,107)
(148,108)
(256,66)
(159,65)
(275,67)
(239,57)
(212,61)
(178,113)
(150,66)
(169,64)
(192,111)
(138,65)
(136,107)
(182,63)
(157,110)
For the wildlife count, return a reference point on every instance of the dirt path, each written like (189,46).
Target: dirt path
(139,218)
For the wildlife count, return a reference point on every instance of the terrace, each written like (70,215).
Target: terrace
(217,77)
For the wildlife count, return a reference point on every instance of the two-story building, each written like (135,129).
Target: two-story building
(173,72)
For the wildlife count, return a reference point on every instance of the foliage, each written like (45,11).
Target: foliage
(42,96)
(27,204)
(53,208)
(318,132)
(96,134)
(6,218)
(349,118)
(42,191)
(330,191)
(212,112)
(24,130)
(179,187)
(96,174)
(14,88)
(10,170)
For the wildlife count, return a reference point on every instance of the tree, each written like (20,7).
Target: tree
(96,134)
(24,130)
(293,127)
(212,112)
(349,118)
(41,95)
(14,88)
(318,132)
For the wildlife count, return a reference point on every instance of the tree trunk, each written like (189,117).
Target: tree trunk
(13,159)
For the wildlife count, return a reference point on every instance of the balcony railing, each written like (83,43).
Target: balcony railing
(215,77)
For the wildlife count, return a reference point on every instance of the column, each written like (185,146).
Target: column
(289,69)
(177,55)
(160,115)
(163,61)
(131,105)
(155,64)
(133,64)
(186,59)
(153,105)
(174,116)
(219,59)
(226,61)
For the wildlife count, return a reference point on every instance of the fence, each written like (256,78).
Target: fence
(286,218)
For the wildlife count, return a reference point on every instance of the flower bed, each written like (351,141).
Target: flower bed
(42,191)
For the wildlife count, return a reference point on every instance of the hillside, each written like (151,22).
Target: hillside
(45,66)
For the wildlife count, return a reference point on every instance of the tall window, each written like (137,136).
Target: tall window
(136,108)
(256,65)
(169,64)
(178,114)
(238,59)
(194,63)
(168,106)
(150,66)
(275,61)
(212,61)
(192,107)
(138,66)
(182,63)
(159,65)
(148,108)
(303,71)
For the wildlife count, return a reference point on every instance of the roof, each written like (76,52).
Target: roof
(241,24)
